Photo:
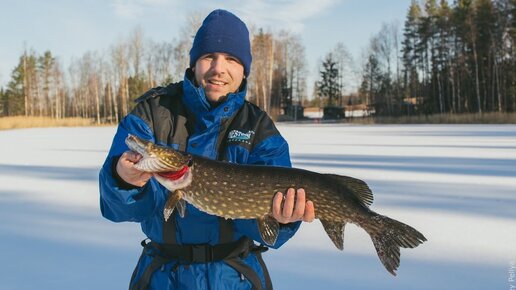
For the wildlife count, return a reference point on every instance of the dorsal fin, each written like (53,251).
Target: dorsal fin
(358,187)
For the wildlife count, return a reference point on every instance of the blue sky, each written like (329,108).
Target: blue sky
(71,28)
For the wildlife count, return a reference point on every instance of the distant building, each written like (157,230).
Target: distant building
(333,113)
(295,112)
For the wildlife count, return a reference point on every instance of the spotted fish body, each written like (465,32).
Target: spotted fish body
(236,191)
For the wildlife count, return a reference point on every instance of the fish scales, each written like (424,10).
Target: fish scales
(251,183)
(237,191)
(229,194)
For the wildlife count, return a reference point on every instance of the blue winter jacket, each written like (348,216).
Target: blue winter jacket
(181,117)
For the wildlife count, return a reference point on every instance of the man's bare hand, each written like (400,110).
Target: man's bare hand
(126,170)
(292,207)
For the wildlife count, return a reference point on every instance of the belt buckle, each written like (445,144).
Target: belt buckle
(201,253)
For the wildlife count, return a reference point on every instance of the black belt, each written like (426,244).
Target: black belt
(204,253)
(231,253)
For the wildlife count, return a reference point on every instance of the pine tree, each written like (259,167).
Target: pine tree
(372,82)
(46,65)
(409,53)
(328,85)
(3,103)
(504,41)
(444,49)
(14,96)
(485,24)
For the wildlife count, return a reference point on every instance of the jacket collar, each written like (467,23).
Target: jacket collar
(197,104)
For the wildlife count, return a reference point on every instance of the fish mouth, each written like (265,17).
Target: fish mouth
(137,145)
(158,159)
(174,175)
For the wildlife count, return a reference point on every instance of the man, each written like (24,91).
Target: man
(202,115)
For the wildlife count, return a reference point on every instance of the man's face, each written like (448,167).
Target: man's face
(218,74)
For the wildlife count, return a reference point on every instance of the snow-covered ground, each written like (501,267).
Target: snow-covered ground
(456,184)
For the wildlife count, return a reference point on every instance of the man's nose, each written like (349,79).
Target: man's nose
(218,64)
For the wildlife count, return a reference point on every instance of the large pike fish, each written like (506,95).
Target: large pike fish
(236,191)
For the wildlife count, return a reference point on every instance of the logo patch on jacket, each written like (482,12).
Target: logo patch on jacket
(241,137)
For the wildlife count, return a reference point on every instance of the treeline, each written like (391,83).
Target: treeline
(451,59)
(97,85)
(446,59)
(103,86)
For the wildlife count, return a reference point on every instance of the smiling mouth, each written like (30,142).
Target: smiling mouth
(217,83)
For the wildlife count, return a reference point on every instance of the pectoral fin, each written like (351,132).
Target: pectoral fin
(269,229)
(175,200)
(335,231)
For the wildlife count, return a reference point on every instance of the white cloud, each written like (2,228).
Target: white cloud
(127,9)
(282,14)
(286,14)
(136,8)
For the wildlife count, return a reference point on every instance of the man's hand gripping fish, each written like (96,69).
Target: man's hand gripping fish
(236,191)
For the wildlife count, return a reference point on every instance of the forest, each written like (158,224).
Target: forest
(445,59)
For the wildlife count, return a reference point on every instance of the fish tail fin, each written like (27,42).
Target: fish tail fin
(389,236)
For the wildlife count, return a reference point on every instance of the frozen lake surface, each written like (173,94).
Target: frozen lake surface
(454,183)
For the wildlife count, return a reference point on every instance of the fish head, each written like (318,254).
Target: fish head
(157,158)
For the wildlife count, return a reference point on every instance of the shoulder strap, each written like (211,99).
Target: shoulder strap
(225,230)
(154,92)
(246,271)
(169,230)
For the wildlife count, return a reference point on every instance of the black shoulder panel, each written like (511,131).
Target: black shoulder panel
(154,92)
(163,110)
(249,127)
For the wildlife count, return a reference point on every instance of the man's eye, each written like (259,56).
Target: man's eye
(232,59)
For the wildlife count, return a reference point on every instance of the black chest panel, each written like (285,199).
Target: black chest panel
(163,110)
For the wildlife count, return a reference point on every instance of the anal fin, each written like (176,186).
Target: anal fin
(175,200)
(335,231)
(269,229)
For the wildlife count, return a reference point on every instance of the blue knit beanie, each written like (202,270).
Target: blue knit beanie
(222,31)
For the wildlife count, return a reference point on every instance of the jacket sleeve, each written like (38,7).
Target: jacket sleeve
(271,151)
(117,202)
